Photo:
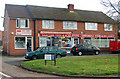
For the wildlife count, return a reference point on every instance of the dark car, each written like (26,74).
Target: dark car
(40,52)
(81,49)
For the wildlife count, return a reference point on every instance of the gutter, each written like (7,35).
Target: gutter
(34,35)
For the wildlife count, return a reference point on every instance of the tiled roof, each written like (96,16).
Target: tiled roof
(40,12)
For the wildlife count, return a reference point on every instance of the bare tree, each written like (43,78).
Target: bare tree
(112,7)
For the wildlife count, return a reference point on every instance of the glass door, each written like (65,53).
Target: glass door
(76,40)
(29,44)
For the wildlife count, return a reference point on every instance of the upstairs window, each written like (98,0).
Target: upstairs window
(90,26)
(108,27)
(69,25)
(22,23)
(47,24)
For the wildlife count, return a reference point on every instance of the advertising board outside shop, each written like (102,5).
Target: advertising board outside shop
(50,57)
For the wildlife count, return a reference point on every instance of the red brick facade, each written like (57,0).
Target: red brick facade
(10,26)
(58,28)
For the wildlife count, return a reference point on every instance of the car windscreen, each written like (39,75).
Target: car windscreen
(53,48)
(39,49)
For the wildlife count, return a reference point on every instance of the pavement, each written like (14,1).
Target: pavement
(10,68)
(18,72)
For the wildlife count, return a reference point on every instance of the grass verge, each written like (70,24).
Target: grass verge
(95,65)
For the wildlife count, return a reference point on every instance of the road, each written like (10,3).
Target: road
(10,67)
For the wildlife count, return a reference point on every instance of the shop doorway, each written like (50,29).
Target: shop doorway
(76,41)
(29,44)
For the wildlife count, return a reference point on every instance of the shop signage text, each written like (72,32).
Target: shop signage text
(77,35)
(23,32)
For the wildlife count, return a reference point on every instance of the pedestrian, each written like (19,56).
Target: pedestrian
(28,47)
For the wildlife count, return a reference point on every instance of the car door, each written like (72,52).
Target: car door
(52,50)
(90,49)
(43,51)
(84,49)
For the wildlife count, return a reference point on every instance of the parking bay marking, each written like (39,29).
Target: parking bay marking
(4,74)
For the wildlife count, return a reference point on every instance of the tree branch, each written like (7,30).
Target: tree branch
(113,7)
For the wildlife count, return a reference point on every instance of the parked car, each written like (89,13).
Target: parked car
(81,49)
(40,52)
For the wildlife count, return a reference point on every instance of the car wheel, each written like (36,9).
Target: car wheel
(34,57)
(58,56)
(96,52)
(80,53)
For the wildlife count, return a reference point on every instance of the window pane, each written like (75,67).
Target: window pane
(20,42)
(108,27)
(90,26)
(69,25)
(47,24)
(43,41)
(17,23)
(22,23)
(27,23)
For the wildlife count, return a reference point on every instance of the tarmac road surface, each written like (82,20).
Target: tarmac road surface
(10,68)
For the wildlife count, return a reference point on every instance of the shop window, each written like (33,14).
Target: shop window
(108,27)
(22,23)
(20,43)
(98,42)
(69,25)
(90,26)
(95,42)
(87,40)
(43,41)
(56,41)
(47,24)
(66,42)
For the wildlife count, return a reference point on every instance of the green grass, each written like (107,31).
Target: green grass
(0,47)
(94,65)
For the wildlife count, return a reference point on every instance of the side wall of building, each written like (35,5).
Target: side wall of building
(5,33)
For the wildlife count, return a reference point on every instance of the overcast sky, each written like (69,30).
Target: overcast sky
(93,5)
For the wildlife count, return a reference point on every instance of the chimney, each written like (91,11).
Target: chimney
(71,7)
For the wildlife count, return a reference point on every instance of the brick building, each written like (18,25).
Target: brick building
(48,26)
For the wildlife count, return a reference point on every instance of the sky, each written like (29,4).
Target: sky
(93,5)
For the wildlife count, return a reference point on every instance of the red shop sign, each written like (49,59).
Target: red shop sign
(76,35)
(23,32)
(105,36)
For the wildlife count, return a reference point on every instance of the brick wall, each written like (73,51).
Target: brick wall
(58,27)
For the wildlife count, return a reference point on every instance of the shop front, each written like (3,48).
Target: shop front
(59,39)
(67,40)
(101,41)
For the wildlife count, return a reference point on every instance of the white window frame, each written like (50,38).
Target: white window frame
(25,42)
(18,23)
(48,24)
(70,25)
(106,29)
(88,26)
